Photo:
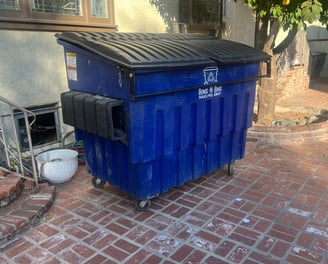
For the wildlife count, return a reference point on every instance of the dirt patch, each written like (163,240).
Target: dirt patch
(298,117)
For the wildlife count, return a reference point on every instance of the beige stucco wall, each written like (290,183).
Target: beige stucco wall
(239,22)
(32,67)
(142,16)
(32,73)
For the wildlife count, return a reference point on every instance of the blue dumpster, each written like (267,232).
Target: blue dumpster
(157,110)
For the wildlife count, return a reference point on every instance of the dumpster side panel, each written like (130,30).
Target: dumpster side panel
(207,134)
(162,125)
(159,175)
(106,159)
(90,73)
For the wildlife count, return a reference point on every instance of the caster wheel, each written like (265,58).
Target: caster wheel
(143,205)
(97,182)
(231,169)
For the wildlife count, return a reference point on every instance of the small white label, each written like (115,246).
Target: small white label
(71,66)
(210,76)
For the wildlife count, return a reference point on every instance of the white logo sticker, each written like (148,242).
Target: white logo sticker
(210,77)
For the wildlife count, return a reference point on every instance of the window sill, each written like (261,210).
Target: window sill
(58,26)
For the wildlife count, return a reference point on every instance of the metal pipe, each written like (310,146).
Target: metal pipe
(4,142)
(28,132)
(17,144)
(16,174)
(28,126)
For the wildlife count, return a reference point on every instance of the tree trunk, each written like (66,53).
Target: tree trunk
(267,98)
(268,86)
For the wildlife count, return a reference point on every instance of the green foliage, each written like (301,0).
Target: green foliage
(311,10)
(297,12)
(324,14)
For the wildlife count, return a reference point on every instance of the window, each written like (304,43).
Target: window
(98,8)
(45,129)
(9,4)
(57,15)
(201,15)
(57,7)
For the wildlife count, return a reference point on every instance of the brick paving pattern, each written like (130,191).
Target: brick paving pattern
(11,186)
(273,210)
(20,209)
(316,96)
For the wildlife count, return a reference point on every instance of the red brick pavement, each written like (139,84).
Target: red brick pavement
(316,96)
(273,210)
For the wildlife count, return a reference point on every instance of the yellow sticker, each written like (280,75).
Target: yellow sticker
(71,68)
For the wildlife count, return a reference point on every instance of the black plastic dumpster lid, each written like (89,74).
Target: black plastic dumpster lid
(147,50)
